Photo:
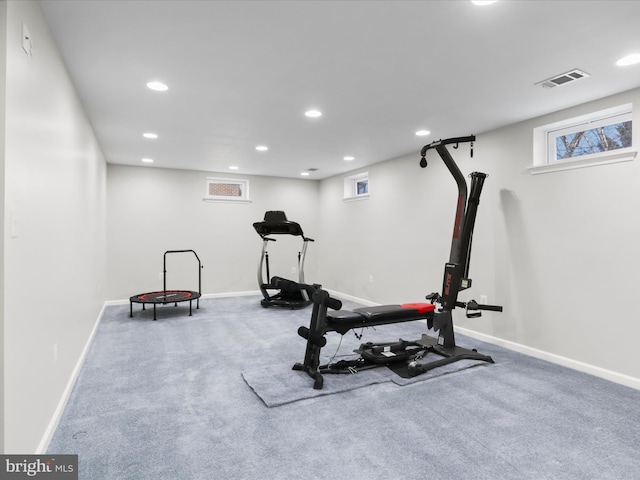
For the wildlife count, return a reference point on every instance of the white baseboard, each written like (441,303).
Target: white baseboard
(610,375)
(232,294)
(351,298)
(62,403)
(125,301)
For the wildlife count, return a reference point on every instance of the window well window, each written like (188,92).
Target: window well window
(227,189)
(356,187)
(362,186)
(593,139)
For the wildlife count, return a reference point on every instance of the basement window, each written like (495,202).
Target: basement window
(227,190)
(356,187)
(594,139)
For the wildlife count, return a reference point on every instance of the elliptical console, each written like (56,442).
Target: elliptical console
(275,223)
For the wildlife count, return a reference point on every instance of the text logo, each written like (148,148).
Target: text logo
(49,467)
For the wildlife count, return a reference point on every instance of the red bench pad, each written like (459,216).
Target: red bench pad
(420,307)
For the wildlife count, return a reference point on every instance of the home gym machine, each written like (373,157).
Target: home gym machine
(275,223)
(407,358)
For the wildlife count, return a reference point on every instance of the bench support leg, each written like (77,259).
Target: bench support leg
(315,341)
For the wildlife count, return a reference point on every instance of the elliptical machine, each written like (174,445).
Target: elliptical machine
(275,223)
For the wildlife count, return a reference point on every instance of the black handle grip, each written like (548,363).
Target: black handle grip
(321,297)
(334,303)
(473,305)
(492,308)
(318,340)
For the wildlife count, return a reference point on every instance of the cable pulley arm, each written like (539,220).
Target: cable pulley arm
(441,143)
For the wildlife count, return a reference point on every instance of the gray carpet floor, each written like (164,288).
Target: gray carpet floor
(212,396)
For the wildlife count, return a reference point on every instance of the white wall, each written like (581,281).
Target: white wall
(558,250)
(54,230)
(401,235)
(3,75)
(565,252)
(152,210)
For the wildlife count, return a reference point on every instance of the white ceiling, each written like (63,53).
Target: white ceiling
(242,73)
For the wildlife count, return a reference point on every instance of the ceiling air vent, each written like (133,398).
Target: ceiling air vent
(563,78)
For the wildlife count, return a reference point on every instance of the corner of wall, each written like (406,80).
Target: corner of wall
(3,91)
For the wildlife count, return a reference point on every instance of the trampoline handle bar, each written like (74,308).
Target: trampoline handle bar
(164,273)
(183,251)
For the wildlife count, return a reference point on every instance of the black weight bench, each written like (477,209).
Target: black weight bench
(341,322)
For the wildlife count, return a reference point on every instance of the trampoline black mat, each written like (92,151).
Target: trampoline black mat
(163,297)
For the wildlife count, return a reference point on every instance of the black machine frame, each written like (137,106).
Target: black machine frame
(456,279)
(276,223)
(169,296)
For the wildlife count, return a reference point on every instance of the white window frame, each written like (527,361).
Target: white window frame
(544,145)
(244,189)
(351,187)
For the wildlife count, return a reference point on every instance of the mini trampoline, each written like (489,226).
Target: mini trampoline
(169,296)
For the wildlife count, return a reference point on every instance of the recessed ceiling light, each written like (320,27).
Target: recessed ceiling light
(157,86)
(150,135)
(313,113)
(305,174)
(349,158)
(233,167)
(423,133)
(629,60)
(262,148)
(482,3)
(147,160)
